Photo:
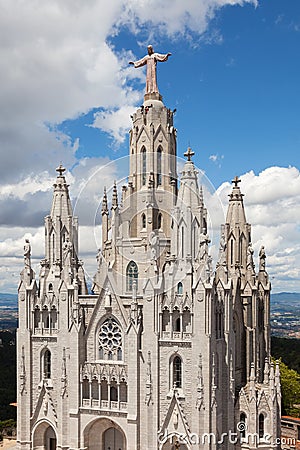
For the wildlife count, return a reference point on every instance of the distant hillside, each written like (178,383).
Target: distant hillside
(9,300)
(285,302)
(285,297)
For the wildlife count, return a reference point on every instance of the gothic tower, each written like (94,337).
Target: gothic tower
(165,353)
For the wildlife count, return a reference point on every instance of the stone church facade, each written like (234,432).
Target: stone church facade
(165,353)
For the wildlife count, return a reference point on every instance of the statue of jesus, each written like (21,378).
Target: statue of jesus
(151,61)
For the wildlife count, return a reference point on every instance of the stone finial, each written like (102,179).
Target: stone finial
(60,169)
(235,181)
(189,153)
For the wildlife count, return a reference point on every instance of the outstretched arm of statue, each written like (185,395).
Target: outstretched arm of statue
(140,62)
(162,58)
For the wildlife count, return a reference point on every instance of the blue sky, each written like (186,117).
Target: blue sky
(235,88)
(67,93)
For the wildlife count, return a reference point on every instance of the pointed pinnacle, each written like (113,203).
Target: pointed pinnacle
(114,202)
(104,202)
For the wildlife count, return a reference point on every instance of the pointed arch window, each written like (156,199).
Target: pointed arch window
(177,324)
(177,372)
(166,320)
(95,389)
(113,392)
(261,426)
(37,317)
(143,220)
(104,390)
(179,288)
(159,221)
(159,158)
(131,275)
(144,165)
(47,364)
(85,389)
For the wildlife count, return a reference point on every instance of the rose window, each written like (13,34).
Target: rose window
(110,340)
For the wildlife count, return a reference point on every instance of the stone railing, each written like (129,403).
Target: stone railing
(46,331)
(103,405)
(176,335)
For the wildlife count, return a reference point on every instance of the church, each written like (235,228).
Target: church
(168,350)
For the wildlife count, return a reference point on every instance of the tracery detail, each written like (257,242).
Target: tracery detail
(110,340)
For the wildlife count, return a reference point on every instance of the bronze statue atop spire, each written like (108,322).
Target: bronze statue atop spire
(151,61)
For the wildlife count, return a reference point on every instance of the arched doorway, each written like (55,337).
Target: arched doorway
(44,437)
(104,434)
(113,439)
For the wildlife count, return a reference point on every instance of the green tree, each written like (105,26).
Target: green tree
(290,389)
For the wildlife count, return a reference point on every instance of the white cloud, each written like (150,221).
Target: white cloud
(175,16)
(114,122)
(56,64)
(216,159)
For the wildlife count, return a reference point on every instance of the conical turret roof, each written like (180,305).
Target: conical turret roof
(189,194)
(61,204)
(236,212)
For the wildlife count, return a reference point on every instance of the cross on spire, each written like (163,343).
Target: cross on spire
(189,153)
(60,169)
(235,181)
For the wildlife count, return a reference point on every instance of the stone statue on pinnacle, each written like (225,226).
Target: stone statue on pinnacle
(151,60)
